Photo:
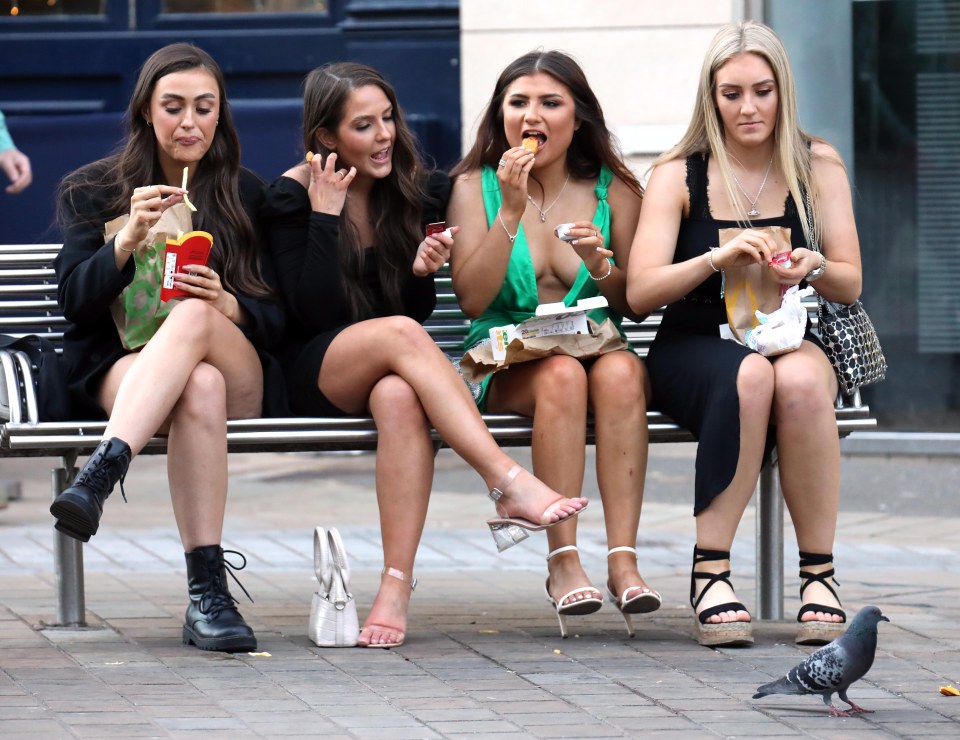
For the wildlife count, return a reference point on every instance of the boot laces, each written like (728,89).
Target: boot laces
(217,597)
(99,477)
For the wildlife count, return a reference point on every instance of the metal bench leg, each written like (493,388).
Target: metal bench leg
(770,543)
(68,558)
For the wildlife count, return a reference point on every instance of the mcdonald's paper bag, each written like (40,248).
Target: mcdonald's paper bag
(138,311)
(754,287)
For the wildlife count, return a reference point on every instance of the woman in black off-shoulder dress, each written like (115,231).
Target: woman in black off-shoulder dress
(346,233)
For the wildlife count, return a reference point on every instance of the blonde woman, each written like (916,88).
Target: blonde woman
(744,161)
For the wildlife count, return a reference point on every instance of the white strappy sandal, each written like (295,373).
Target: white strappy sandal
(577,607)
(634,599)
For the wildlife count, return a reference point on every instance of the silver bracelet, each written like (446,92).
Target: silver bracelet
(710,259)
(128,251)
(598,279)
(510,236)
(817,272)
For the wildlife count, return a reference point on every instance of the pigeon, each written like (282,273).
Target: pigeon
(834,667)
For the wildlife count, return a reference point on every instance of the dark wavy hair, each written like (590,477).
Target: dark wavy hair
(593,144)
(396,200)
(214,187)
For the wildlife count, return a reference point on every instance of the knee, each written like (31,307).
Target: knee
(393,400)
(405,333)
(619,379)
(562,382)
(800,393)
(204,396)
(191,319)
(755,383)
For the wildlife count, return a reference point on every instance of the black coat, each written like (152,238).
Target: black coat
(89,282)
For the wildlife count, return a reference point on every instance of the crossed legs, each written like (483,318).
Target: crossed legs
(196,371)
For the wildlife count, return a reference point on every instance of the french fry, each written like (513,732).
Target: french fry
(184,187)
(949,690)
(309,156)
(530,144)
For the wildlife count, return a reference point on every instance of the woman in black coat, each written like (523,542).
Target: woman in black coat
(206,361)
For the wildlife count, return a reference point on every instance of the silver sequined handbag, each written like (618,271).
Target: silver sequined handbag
(851,344)
(849,339)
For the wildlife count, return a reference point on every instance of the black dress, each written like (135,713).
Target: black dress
(89,281)
(305,246)
(693,371)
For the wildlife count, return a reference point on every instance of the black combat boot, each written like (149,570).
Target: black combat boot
(212,621)
(78,508)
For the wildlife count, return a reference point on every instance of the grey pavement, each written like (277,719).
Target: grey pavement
(483,656)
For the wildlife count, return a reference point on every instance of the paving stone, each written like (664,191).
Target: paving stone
(483,656)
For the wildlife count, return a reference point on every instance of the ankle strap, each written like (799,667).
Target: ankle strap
(701,556)
(399,575)
(623,548)
(565,548)
(815,558)
(497,492)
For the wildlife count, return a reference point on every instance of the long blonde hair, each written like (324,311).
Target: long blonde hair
(791,144)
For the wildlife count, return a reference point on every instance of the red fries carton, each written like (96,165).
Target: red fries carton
(193,248)
(436,227)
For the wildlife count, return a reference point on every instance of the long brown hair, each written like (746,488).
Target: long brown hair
(396,200)
(216,185)
(593,144)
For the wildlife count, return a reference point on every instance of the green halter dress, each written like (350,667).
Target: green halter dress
(518,299)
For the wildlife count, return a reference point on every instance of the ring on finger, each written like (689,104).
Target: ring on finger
(503,163)
(343,174)
(159,194)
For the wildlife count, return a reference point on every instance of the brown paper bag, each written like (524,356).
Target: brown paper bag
(138,311)
(753,288)
(478,362)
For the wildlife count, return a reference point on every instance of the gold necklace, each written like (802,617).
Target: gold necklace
(754,211)
(543,213)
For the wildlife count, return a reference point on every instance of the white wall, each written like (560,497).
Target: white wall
(642,57)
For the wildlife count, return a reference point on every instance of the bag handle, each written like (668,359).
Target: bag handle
(321,558)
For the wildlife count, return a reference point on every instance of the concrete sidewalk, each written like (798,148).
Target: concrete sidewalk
(483,655)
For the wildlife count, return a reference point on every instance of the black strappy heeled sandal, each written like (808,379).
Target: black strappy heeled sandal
(815,632)
(716,634)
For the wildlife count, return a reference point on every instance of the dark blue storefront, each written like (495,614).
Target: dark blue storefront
(65,78)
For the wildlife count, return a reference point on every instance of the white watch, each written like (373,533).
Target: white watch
(817,272)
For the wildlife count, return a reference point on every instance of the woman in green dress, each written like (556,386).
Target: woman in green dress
(507,199)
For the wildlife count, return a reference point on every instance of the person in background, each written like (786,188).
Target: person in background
(507,259)
(346,232)
(745,162)
(206,362)
(13,162)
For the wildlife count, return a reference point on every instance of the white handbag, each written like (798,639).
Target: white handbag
(333,613)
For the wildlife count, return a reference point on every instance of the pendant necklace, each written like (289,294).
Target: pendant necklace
(753,201)
(543,213)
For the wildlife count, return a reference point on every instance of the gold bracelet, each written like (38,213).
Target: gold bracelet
(598,279)
(510,236)
(128,251)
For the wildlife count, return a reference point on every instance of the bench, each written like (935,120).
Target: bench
(28,305)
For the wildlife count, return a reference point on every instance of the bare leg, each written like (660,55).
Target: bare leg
(197,444)
(554,392)
(194,332)
(618,392)
(405,460)
(365,352)
(717,524)
(809,457)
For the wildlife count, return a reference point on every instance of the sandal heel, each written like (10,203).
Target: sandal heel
(579,607)
(815,632)
(506,535)
(716,634)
